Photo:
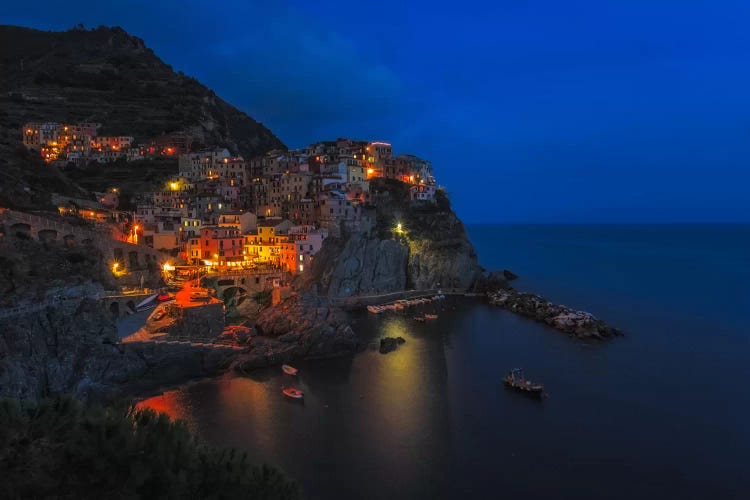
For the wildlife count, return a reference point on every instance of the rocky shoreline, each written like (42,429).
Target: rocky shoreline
(305,326)
(579,324)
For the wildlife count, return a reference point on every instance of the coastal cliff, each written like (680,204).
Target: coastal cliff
(73,349)
(408,245)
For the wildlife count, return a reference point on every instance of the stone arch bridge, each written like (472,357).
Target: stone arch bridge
(241,283)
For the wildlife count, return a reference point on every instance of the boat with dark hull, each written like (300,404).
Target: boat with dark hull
(516,381)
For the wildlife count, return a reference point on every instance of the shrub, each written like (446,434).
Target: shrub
(59,449)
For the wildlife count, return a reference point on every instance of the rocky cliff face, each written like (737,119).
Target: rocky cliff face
(369,265)
(431,250)
(303,326)
(440,253)
(66,350)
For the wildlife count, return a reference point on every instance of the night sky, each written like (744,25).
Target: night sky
(531,111)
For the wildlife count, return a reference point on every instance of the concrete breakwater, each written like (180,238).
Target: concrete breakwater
(580,324)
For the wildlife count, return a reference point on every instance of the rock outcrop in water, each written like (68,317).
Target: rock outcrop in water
(388,344)
(578,323)
(302,327)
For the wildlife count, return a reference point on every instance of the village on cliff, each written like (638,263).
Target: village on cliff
(225,212)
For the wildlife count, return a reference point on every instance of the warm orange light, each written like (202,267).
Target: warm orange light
(135,228)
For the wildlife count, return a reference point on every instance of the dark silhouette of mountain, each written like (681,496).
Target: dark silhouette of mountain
(108,76)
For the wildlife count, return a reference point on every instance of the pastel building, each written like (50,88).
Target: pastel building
(222,246)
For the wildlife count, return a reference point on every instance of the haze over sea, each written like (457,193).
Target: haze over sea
(659,413)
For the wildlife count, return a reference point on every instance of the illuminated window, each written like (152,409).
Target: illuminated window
(301,267)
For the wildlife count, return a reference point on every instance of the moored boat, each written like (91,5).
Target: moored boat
(516,381)
(430,316)
(419,318)
(293,393)
(289,370)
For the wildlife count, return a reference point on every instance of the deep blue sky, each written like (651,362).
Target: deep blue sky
(531,111)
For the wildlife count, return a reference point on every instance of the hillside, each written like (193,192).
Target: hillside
(107,76)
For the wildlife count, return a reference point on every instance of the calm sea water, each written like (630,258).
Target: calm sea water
(660,413)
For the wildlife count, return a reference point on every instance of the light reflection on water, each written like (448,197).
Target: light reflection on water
(633,418)
(432,420)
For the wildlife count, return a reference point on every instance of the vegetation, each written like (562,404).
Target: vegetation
(28,268)
(60,449)
(107,76)
(419,219)
(152,173)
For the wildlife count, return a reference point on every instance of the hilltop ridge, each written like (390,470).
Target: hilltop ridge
(108,76)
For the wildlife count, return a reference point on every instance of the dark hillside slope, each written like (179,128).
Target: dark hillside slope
(107,76)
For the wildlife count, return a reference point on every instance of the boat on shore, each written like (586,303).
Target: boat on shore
(293,393)
(515,380)
(289,370)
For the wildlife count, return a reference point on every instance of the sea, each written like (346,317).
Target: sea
(662,412)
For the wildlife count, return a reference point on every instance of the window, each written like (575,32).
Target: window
(301,258)
(301,267)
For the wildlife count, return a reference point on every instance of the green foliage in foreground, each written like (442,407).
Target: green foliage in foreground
(60,449)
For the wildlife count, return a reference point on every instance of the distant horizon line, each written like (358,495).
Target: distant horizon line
(634,223)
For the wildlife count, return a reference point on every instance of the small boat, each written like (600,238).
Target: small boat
(147,303)
(419,318)
(163,297)
(516,381)
(430,316)
(289,370)
(293,393)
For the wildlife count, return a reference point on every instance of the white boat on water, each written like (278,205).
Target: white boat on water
(293,393)
(289,370)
